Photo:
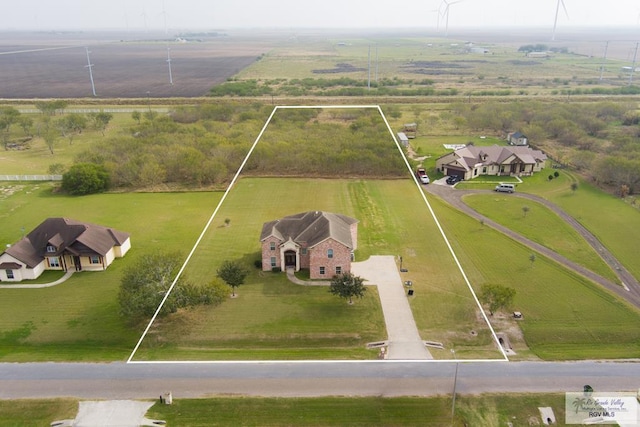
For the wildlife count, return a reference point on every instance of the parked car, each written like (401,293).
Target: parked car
(453,179)
(505,188)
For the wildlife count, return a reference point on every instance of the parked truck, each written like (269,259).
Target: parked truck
(422,176)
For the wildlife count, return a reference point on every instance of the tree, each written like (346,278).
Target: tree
(145,283)
(71,125)
(136,116)
(532,258)
(346,285)
(496,296)
(574,186)
(100,120)
(525,210)
(85,178)
(233,274)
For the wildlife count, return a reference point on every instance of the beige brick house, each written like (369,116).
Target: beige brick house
(322,242)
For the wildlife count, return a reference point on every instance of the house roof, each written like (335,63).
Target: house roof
(65,235)
(470,156)
(311,227)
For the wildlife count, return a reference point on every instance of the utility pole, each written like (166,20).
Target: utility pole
(604,59)
(633,66)
(455,381)
(369,69)
(90,67)
(169,62)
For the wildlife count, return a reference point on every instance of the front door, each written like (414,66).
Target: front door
(76,261)
(290,259)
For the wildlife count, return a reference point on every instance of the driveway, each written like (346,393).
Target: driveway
(631,287)
(404,342)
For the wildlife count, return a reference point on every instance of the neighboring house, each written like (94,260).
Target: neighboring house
(517,138)
(62,244)
(402,137)
(471,161)
(322,242)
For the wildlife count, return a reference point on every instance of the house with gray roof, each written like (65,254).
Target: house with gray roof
(322,242)
(471,161)
(62,244)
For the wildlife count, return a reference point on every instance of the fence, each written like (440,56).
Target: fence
(30,177)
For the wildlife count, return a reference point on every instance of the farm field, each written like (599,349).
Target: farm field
(125,65)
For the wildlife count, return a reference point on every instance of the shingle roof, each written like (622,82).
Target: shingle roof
(311,227)
(65,234)
(471,155)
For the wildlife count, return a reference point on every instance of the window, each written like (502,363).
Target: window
(303,251)
(51,248)
(54,262)
(484,169)
(322,271)
(338,270)
(273,262)
(329,253)
(95,260)
(9,274)
(272,246)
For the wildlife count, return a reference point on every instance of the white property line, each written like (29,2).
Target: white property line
(233,181)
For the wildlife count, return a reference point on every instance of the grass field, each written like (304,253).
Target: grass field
(542,226)
(482,411)
(304,322)
(79,320)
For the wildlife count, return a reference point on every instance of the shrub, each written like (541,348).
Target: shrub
(276,270)
(258,263)
(85,178)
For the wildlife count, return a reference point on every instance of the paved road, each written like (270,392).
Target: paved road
(631,291)
(307,379)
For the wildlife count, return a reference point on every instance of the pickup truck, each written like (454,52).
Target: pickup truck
(422,176)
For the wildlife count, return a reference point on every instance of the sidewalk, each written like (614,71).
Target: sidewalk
(40,285)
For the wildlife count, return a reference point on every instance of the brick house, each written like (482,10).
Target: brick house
(321,242)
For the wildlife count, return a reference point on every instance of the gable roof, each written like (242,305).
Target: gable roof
(65,235)
(471,156)
(311,227)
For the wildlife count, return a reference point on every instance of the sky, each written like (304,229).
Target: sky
(228,14)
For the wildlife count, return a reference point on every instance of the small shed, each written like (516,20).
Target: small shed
(410,129)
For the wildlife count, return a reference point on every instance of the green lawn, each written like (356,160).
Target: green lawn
(482,411)
(309,322)
(79,320)
(542,226)
(565,315)
(615,223)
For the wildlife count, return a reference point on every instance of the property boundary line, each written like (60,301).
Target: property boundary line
(230,186)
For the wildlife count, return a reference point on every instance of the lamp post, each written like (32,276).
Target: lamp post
(455,381)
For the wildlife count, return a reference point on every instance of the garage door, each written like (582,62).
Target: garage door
(455,172)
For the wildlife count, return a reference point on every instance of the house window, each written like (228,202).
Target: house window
(272,246)
(51,249)
(484,169)
(9,274)
(303,251)
(273,262)
(95,260)
(329,253)
(338,270)
(322,271)
(475,172)
(54,262)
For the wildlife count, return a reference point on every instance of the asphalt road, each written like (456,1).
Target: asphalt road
(307,379)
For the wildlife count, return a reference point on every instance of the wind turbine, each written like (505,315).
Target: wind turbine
(445,14)
(555,21)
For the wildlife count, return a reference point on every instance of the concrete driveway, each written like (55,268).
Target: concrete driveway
(404,340)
